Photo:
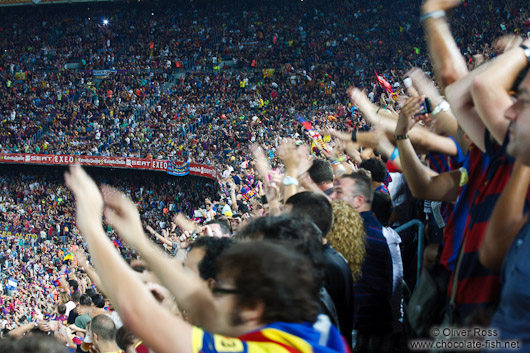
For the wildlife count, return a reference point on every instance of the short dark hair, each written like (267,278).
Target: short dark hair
(98,300)
(76,297)
(382,207)
(61,309)
(315,206)
(85,300)
(299,232)
(274,274)
(124,338)
(104,327)
(363,185)
(213,247)
(321,172)
(73,284)
(223,223)
(90,292)
(376,168)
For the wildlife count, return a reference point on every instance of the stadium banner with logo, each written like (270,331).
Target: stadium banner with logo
(7,235)
(160,165)
(178,169)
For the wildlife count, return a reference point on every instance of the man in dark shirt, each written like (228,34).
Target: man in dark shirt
(321,173)
(373,292)
(338,279)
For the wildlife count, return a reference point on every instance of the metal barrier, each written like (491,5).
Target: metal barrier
(421,241)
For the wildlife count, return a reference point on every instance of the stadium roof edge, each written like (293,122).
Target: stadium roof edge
(9,3)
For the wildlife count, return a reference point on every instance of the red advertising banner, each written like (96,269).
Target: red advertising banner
(206,171)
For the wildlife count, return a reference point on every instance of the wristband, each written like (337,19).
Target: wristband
(442,107)
(401,137)
(395,154)
(354,135)
(526,51)
(434,14)
(288,180)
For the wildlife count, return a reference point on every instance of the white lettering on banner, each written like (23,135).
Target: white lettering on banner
(89,161)
(13,158)
(141,163)
(114,161)
(158,165)
(202,170)
(63,159)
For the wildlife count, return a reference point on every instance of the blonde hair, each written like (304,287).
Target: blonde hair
(64,297)
(347,235)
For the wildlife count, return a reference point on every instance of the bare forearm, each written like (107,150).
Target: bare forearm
(163,240)
(234,201)
(292,189)
(94,277)
(189,292)
(446,123)
(449,65)
(459,96)
(21,330)
(126,291)
(421,184)
(490,91)
(506,220)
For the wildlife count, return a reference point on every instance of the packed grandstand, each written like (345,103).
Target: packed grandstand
(273,176)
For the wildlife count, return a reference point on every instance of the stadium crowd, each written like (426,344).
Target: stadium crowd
(296,248)
(146,110)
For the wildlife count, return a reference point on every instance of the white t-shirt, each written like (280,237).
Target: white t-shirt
(393,240)
(69,307)
(398,189)
(226,208)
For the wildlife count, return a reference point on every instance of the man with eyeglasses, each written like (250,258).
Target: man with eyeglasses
(265,298)
(373,292)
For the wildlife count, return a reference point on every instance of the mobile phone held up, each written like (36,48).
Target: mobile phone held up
(427,107)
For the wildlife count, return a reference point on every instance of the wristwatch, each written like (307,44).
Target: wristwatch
(289,180)
(401,137)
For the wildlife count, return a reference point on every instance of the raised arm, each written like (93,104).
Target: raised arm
(235,207)
(443,187)
(158,236)
(459,96)
(445,124)
(422,139)
(138,309)
(83,263)
(490,90)
(506,220)
(191,294)
(449,65)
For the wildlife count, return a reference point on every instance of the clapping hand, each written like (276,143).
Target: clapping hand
(121,213)
(89,202)
(408,117)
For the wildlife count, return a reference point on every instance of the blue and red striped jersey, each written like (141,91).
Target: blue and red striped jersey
(373,292)
(479,288)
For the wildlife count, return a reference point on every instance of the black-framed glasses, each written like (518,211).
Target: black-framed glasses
(221,290)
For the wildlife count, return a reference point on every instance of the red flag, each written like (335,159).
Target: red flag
(384,83)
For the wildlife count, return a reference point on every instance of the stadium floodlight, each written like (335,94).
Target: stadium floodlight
(105,22)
